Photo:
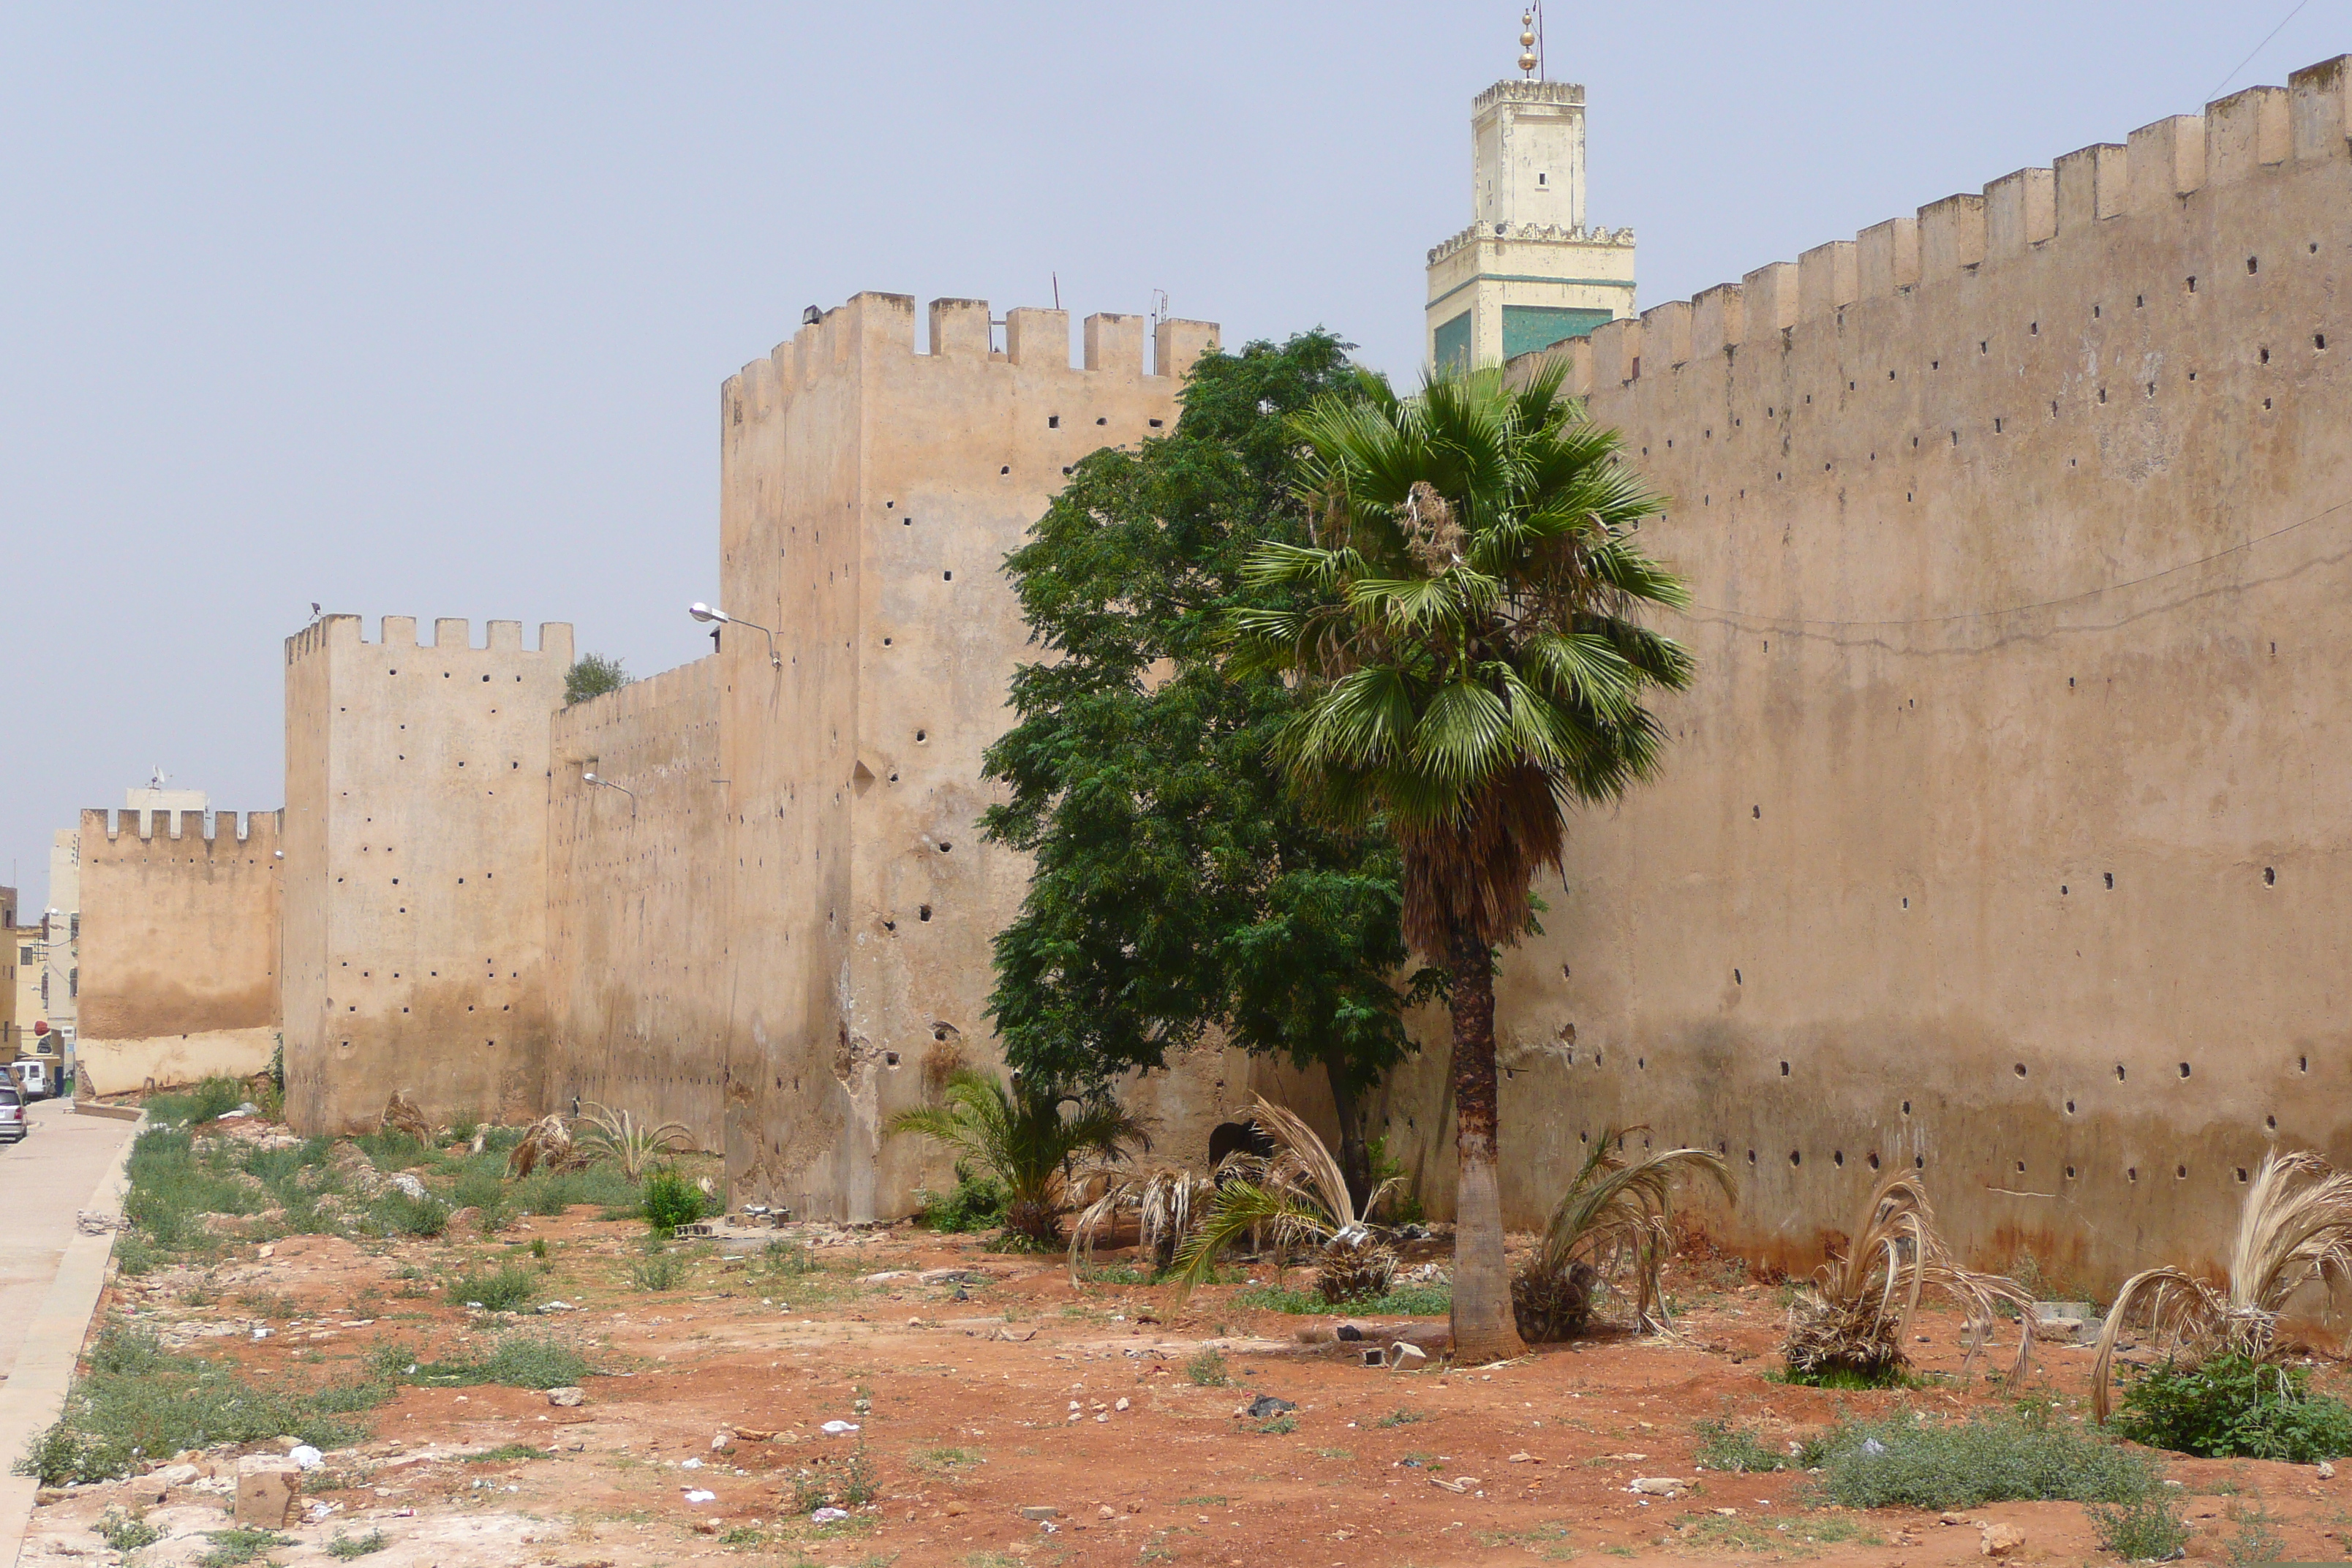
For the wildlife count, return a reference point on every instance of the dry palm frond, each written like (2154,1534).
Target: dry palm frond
(548,1143)
(401,1115)
(1858,1313)
(1618,1211)
(1162,1202)
(2295,1225)
(1300,1195)
(633,1144)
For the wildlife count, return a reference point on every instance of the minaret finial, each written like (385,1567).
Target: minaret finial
(1530,60)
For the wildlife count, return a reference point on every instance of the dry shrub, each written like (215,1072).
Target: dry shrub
(1617,1212)
(1857,1314)
(401,1115)
(632,1144)
(1162,1201)
(1300,1195)
(2295,1226)
(548,1143)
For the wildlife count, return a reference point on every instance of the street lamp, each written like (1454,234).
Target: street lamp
(702,612)
(608,783)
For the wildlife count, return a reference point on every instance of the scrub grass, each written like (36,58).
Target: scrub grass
(139,1401)
(2024,1455)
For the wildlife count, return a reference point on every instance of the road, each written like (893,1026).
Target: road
(47,1179)
(50,1276)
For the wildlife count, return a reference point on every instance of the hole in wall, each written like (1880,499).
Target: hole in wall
(1053,422)
(924,913)
(1918,1162)
(2020,1167)
(2069,1172)
(891,1059)
(1154,424)
(2070,1108)
(1837,1158)
(1101,420)
(920,736)
(2269,876)
(2184,1070)
(2019,1069)
(2241,1173)
(947,576)
(1736,980)
(2111,880)
(1784,1070)
(1757,812)
(1906,1108)
(945,846)
(2119,1072)
(1871,1160)
(1796,1157)
(2270,1123)
(1007,469)
(2179,1173)
(1751,1156)
(2131,1173)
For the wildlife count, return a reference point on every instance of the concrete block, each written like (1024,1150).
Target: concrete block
(268,1490)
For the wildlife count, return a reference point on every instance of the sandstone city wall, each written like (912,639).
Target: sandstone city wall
(179,947)
(637,922)
(869,494)
(2003,834)
(415,839)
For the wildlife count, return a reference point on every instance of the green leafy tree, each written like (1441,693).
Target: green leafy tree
(1471,668)
(592,676)
(1179,886)
(1023,1137)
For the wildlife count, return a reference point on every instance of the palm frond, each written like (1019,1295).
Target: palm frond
(1617,1212)
(2295,1228)
(1857,1315)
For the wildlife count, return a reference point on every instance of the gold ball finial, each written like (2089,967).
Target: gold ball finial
(1527,58)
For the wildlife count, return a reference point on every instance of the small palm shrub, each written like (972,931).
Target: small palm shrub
(1618,1212)
(1849,1326)
(620,1137)
(2233,1406)
(1162,1202)
(1025,1138)
(1299,1196)
(2294,1227)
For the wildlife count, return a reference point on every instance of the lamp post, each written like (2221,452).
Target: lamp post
(608,783)
(704,613)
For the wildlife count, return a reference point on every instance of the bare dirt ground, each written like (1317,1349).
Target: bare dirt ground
(981,1401)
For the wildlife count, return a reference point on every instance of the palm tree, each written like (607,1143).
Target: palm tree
(1022,1138)
(1464,631)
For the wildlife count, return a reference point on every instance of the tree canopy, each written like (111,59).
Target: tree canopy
(1178,887)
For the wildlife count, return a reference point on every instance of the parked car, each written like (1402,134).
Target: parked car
(33,1074)
(12,1114)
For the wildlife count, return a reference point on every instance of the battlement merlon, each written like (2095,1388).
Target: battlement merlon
(450,635)
(1531,234)
(960,329)
(102,827)
(1518,90)
(2235,139)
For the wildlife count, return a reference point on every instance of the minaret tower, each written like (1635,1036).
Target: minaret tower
(1526,272)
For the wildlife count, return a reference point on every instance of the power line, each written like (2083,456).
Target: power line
(2038,603)
(2258,48)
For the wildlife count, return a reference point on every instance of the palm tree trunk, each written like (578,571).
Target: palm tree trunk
(1355,1159)
(1483,1329)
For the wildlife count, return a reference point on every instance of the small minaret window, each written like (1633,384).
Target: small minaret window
(1542,178)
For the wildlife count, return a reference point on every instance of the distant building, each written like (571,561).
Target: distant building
(62,938)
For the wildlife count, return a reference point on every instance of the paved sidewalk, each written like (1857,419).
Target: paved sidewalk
(50,1277)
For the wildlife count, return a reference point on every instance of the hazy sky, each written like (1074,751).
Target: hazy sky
(423,309)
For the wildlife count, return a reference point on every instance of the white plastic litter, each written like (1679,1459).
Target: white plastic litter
(691,1465)
(835,1428)
(696,1494)
(305,1457)
(827,1514)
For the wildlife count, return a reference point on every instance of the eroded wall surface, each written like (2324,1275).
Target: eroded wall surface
(2003,834)
(869,496)
(179,946)
(637,933)
(415,913)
